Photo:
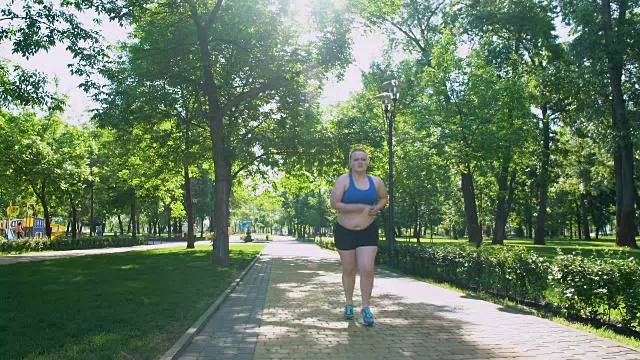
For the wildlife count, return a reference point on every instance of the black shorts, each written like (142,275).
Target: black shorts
(347,239)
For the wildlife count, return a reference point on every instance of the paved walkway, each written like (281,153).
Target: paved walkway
(289,306)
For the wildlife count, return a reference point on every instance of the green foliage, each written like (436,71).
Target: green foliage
(505,271)
(604,288)
(595,287)
(326,243)
(61,244)
(30,27)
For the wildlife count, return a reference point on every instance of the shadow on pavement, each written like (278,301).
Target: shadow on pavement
(303,316)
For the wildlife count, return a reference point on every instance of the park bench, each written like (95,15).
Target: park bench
(150,239)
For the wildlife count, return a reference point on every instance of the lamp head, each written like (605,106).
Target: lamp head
(385,98)
(394,87)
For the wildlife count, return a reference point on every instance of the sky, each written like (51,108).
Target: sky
(366,48)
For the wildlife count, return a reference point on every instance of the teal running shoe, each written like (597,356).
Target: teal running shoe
(348,312)
(367,316)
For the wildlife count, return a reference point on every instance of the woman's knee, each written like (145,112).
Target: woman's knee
(366,269)
(349,269)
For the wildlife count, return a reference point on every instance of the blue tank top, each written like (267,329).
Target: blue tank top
(353,195)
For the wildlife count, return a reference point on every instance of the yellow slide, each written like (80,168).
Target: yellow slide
(57,230)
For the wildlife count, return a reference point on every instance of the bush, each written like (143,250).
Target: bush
(326,244)
(95,242)
(591,287)
(595,287)
(505,271)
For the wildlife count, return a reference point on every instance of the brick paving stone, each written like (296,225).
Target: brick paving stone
(232,332)
(289,306)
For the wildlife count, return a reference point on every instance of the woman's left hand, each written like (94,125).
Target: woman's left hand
(374,210)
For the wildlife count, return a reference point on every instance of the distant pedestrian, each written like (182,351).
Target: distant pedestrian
(99,230)
(19,230)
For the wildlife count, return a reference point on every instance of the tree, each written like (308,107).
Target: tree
(419,21)
(268,64)
(606,36)
(74,173)
(33,153)
(33,26)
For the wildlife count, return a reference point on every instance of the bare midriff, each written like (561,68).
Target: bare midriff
(356,220)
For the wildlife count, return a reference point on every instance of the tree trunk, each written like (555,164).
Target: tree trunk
(220,255)
(41,194)
(501,207)
(134,220)
(385,221)
(468,193)
(623,150)
(544,179)
(212,209)
(91,221)
(169,229)
(215,117)
(188,204)
(510,196)
(585,218)
(74,220)
(120,223)
(578,222)
(570,229)
(416,226)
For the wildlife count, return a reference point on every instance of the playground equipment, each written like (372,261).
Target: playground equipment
(8,230)
(57,230)
(32,227)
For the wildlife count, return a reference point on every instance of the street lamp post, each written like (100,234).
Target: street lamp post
(389,102)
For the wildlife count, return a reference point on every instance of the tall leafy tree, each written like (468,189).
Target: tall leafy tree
(33,152)
(606,35)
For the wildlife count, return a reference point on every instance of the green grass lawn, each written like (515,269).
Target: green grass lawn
(132,305)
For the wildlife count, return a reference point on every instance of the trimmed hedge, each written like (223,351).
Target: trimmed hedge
(505,271)
(603,289)
(597,287)
(95,242)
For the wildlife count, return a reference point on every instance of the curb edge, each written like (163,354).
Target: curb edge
(186,338)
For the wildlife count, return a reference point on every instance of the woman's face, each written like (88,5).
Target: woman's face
(359,161)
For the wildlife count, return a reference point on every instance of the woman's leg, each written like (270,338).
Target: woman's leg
(349,267)
(366,257)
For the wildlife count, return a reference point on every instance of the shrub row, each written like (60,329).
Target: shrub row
(597,287)
(577,286)
(505,271)
(95,242)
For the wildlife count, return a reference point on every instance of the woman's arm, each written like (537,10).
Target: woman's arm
(336,198)
(383,196)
